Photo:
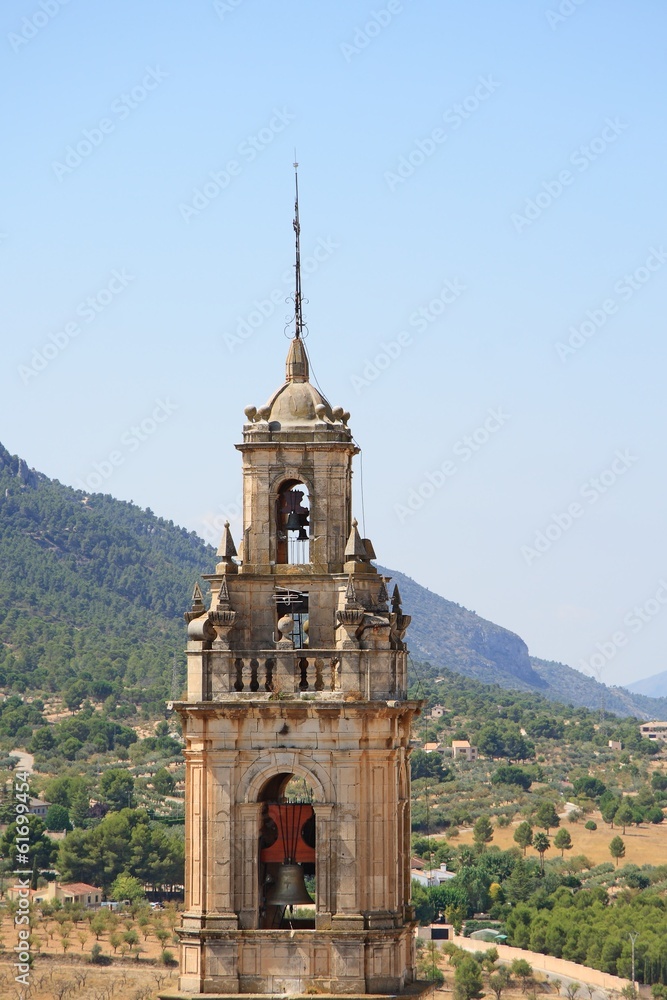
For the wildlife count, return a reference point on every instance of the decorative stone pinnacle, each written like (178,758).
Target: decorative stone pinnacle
(296,365)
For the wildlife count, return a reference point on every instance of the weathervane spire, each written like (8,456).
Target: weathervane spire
(298,313)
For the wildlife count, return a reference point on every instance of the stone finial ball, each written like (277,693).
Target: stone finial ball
(286,625)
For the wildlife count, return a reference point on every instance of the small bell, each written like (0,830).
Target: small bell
(289,888)
(302,536)
(293,521)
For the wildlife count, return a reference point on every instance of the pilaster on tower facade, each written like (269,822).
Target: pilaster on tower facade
(297,728)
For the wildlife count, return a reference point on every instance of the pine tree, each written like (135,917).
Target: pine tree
(523,835)
(617,849)
(563,841)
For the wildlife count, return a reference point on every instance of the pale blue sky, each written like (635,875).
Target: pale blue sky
(170,93)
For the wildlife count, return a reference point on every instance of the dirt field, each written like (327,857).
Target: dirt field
(645,845)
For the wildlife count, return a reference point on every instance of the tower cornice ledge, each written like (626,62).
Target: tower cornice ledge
(256,440)
(310,707)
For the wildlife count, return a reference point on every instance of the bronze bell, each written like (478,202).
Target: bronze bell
(289,888)
(293,521)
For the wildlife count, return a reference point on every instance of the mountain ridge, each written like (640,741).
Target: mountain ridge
(654,686)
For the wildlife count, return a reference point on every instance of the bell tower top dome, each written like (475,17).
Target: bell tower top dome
(297,406)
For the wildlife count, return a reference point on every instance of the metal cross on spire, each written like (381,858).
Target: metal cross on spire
(298,313)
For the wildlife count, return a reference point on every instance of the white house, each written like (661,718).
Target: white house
(431,876)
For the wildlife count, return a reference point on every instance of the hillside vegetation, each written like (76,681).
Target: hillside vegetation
(556,840)
(92,592)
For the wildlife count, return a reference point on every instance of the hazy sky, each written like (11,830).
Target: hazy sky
(485,252)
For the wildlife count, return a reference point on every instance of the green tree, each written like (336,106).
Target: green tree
(41,849)
(126,886)
(617,849)
(609,803)
(563,841)
(163,782)
(520,967)
(98,925)
(80,807)
(115,940)
(455,914)
(429,765)
(591,825)
(482,832)
(425,910)
(546,816)
(510,774)
(468,980)
(592,788)
(624,815)
(57,818)
(117,788)
(541,843)
(42,740)
(523,836)
(131,937)
(61,791)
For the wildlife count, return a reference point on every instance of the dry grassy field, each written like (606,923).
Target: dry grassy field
(62,967)
(645,845)
(58,979)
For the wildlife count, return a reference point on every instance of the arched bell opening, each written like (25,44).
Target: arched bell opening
(293,524)
(287,868)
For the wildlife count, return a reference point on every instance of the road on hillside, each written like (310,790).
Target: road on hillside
(26,760)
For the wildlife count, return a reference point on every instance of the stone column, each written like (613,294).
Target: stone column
(247,871)
(195,832)
(220,837)
(325,862)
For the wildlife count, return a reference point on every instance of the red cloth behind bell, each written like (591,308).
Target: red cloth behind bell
(289,820)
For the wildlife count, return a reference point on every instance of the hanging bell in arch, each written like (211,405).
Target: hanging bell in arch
(293,521)
(289,888)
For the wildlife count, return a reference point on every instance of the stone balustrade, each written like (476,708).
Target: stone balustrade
(335,674)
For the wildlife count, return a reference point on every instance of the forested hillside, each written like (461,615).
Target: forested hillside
(92,590)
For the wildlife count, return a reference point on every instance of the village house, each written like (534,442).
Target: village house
(654,730)
(89,896)
(462,748)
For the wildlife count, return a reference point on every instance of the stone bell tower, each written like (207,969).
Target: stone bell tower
(297,727)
